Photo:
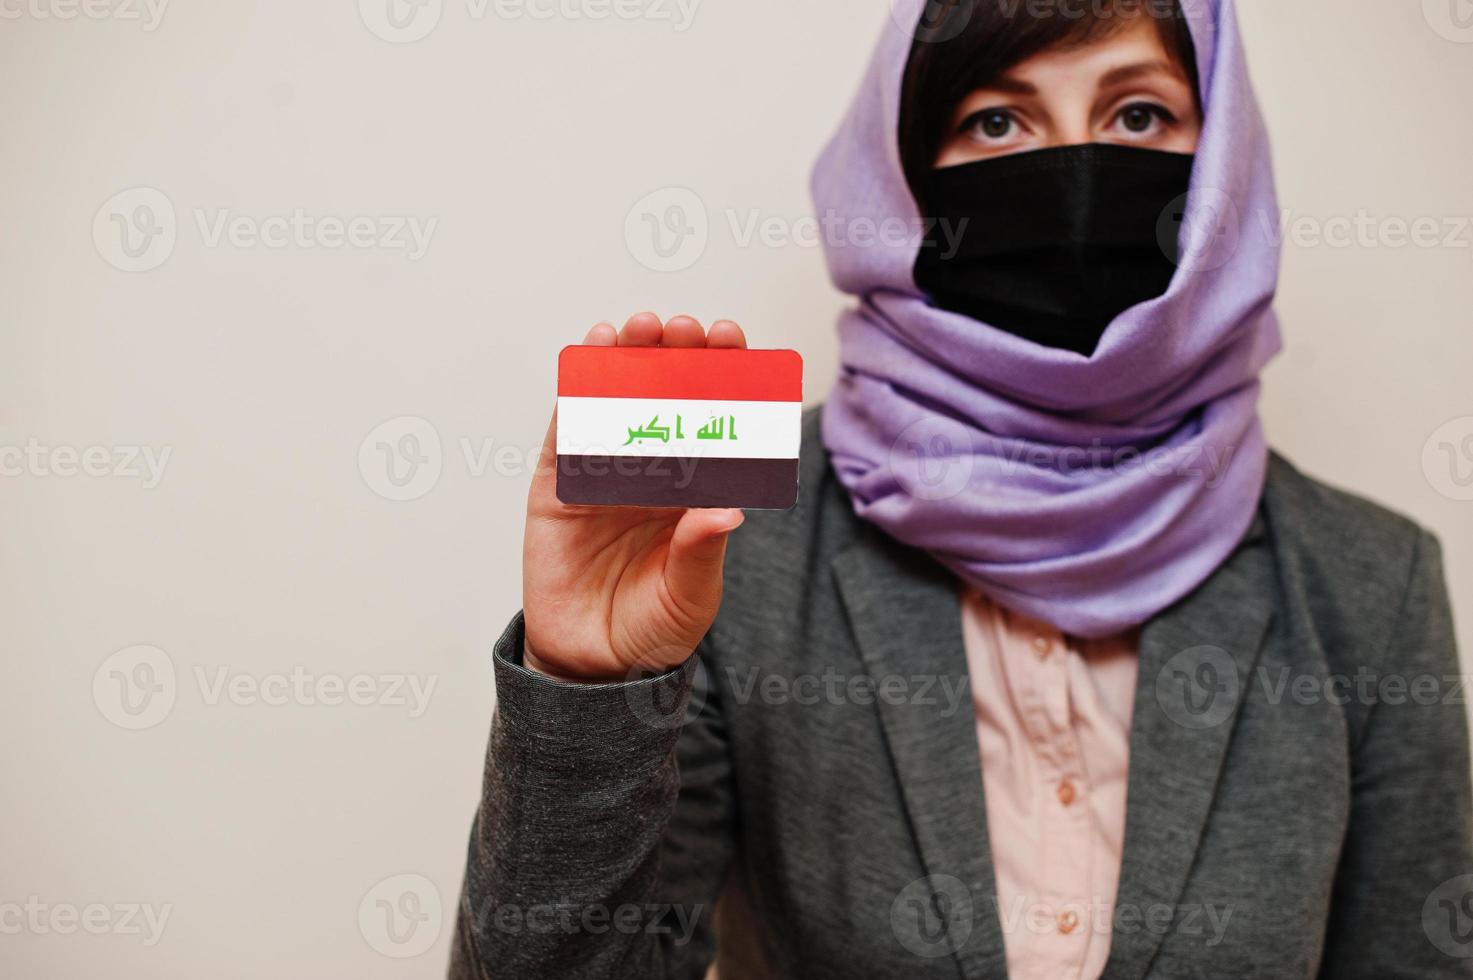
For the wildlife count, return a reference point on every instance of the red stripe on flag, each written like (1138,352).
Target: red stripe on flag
(675,372)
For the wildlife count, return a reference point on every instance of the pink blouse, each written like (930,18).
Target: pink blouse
(1053,724)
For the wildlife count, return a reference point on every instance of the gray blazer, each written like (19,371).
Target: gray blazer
(1298,800)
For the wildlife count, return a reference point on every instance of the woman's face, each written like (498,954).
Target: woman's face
(1123,88)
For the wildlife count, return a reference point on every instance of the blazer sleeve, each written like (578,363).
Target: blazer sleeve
(1403,899)
(604,830)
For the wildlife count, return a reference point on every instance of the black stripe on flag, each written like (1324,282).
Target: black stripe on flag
(678,481)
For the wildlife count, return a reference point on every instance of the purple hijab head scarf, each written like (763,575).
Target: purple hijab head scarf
(1088,492)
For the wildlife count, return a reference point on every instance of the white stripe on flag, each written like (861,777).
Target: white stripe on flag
(674,427)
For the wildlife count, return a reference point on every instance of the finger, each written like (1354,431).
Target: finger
(601,335)
(725,333)
(641,330)
(684,331)
(542,495)
(697,549)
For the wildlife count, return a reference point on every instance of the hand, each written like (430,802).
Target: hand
(608,590)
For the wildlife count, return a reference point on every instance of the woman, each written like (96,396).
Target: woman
(1055,670)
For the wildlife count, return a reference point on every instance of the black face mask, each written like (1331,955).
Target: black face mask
(1057,242)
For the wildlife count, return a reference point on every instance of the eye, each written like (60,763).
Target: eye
(989,125)
(1144,118)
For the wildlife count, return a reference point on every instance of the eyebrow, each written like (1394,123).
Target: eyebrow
(1115,76)
(1127,73)
(1011,85)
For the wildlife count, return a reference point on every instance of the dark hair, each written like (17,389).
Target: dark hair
(963,45)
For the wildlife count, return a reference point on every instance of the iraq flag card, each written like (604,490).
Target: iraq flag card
(679,427)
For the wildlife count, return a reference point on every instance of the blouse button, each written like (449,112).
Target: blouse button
(1067,922)
(1066,792)
(1041,646)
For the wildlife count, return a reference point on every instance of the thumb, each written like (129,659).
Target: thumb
(697,549)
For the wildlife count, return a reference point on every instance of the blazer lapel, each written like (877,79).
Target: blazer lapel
(1195,665)
(906,614)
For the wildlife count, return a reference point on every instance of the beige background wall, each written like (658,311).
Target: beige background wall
(267,821)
